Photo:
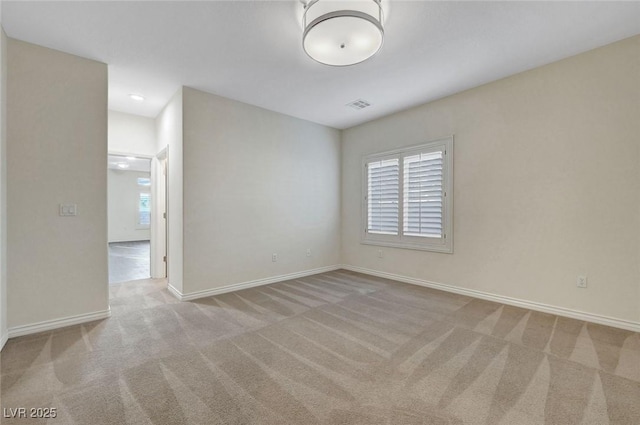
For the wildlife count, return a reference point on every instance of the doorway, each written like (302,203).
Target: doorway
(129,217)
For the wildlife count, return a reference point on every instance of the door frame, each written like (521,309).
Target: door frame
(159,223)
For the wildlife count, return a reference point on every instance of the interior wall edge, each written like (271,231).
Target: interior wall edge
(3,189)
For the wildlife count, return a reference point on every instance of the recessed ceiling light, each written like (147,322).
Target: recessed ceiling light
(123,165)
(137,97)
(131,158)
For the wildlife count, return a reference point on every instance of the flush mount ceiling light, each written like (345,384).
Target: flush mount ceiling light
(136,97)
(341,33)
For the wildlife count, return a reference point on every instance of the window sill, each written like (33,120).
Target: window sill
(440,248)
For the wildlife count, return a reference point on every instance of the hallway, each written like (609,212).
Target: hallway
(129,261)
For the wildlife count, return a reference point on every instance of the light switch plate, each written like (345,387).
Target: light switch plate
(68,210)
(582,282)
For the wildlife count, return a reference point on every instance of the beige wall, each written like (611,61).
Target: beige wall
(256,182)
(547,184)
(123,198)
(57,142)
(132,134)
(3,187)
(169,134)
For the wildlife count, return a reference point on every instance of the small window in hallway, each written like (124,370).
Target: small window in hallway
(144,210)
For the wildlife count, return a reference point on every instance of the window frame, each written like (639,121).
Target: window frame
(138,215)
(442,245)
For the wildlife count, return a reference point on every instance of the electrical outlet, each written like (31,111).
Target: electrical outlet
(582,282)
(274,257)
(379,254)
(308,252)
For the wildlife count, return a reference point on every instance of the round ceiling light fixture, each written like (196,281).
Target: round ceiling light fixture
(342,33)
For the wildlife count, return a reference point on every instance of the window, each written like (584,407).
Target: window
(382,195)
(408,197)
(144,210)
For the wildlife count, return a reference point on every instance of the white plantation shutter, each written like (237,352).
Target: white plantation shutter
(423,195)
(408,197)
(383,178)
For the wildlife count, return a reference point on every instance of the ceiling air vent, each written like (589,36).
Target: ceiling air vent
(358,104)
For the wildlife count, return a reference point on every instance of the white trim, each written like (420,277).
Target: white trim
(531,305)
(137,155)
(249,284)
(3,340)
(48,325)
(175,292)
(162,154)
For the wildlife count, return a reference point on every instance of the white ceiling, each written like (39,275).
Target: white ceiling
(251,50)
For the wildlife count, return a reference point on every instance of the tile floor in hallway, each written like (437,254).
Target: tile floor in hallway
(129,261)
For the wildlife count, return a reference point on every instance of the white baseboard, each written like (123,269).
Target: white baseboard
(173,291)
(3,340)
(250,284)
(531,305)
(58,323)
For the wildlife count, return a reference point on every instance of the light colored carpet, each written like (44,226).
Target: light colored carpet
(335,348)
